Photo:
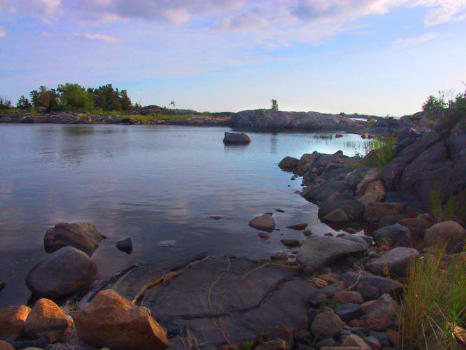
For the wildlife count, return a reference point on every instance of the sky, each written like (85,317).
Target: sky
(379,57)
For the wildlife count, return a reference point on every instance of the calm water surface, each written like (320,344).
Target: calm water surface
(152,183)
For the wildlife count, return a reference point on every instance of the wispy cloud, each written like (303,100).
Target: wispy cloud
(2,32)
(403,43)
(101,37)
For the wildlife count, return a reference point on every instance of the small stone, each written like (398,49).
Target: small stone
(348,297)
(291,243)
(338,215)
(348,312)
(328,234)
(357,341)
(393,262)
(373,343)
(46,319)
(307,232)
(125,245)
(394,336)
(279,210)
(327,324)
(298,227)
(216,217)
(13,319)
(264,222)
(264,235)
(278,256)
(317,298)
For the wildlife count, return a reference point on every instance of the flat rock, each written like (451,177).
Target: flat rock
(371,286)
(417,226)
(264,222)
(211,298)
(47,319)
(298,227)
(82,236)
(13,319)
(394,261)
(353,209)
(110,320)
(348,312)
(291,243)
(317,252)
(377,210)
(61,274)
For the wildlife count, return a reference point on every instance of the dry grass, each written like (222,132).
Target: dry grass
(434,303)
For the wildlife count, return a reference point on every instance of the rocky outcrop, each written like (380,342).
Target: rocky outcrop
(61,274)
(269,120)
(236,139)
(83,236)
(288,163)
(112,321)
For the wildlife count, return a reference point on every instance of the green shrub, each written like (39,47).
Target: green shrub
(379,153)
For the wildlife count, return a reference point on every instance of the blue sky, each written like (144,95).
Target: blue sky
(366,56)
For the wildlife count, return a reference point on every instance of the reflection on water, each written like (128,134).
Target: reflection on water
(153,183)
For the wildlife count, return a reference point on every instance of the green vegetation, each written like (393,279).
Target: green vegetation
(445,208)
(433,303)
(247,345)
(323,137)
(443,113)
(379,152)
(4,103)
(148,119)
(274,104)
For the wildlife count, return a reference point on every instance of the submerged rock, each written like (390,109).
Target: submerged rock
(61,274)
(298,227)
(112,321)
(317,252)
(82,236)
(264,222)
(236,139)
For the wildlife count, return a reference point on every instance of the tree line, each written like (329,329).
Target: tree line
(73,97)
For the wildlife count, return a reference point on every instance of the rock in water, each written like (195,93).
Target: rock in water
(288,164)
(298,227)
(233,138)
(125,245)
(291,243)
(47,319)
(112,321)
(264,222)
(61,274)
(82,236)
(316,252)
(13,319)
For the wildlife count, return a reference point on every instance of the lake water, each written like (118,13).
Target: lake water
(152,183)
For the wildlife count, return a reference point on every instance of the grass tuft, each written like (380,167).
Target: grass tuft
(379,153)
(433,303)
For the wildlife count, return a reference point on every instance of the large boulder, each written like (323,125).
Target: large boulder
(447,233)
(6,346)
(375,211)
(288,164)
(393,262)
(61,274)
(352,208)
(236,138)
(264,222)
(13,319)
(82,236)
(111,321)
(418,225)
(317,252)
(393,236)
(305,163)
(47,319)
(373,192)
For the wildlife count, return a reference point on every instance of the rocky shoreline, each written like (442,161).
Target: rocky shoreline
(337,291)
(254,120)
